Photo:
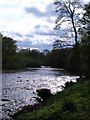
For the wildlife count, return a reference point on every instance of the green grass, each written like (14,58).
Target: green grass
(72,103)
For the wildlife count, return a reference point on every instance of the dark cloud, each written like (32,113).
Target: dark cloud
(37,27)
(50,11)
(16,34)
(28,44)
(29,35)
(49,20)
(39,30)
(50,33)
(34,11)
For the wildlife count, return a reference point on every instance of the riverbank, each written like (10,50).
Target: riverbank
(12,71)
(70,104)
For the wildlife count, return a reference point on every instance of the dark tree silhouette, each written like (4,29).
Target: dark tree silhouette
(68,12)
(85,31)
(85,42)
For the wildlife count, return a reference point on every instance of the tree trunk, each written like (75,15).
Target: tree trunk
(75,31)
(76,50)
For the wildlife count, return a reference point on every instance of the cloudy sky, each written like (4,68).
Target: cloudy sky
(29,22)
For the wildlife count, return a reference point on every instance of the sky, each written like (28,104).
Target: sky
(29,22)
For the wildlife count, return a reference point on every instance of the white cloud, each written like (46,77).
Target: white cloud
(15,18)
(29,26)
(17,23)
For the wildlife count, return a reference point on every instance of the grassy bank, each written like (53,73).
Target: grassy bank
(73,103)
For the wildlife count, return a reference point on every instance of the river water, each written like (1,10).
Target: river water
(19,88)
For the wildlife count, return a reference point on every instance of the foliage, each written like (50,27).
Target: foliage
(85,21)
(8,49)
(85,60)
(8,45)
(57,58)
(11,59)
(85,42)
(58,44)
(68,105)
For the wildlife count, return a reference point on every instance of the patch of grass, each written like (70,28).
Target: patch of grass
(69,105)
(73,103)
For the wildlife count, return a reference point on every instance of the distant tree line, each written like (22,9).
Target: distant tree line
(13,59)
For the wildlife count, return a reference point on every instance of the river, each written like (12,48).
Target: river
(19,88)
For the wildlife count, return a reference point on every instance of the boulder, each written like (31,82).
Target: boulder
(44,93)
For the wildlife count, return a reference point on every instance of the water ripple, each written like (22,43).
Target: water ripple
(20,88)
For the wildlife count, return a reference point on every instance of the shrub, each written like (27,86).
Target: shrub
(68,105)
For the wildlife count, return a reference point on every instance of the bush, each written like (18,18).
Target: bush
(68,105)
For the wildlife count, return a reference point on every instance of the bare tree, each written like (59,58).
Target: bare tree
(68,11)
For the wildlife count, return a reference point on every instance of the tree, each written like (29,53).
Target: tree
(85,42)
(8,45)
(57,44)
(8,49)
(85,31)
(67,11)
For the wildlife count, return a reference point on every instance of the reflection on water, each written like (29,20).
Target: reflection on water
(19,89)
